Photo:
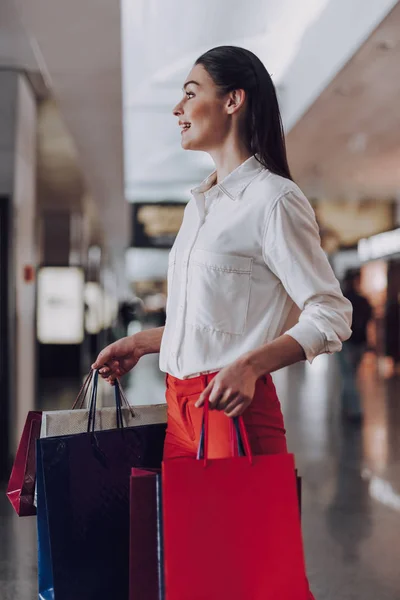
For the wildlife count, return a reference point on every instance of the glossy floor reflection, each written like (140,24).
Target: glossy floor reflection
(351,481)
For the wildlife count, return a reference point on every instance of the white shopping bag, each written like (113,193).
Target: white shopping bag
(69,422)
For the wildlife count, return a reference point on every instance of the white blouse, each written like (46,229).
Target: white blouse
(247,265)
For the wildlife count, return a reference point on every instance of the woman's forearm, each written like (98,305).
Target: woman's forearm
(282,352)
(148,341)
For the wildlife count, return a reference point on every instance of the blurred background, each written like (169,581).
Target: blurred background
(93,184)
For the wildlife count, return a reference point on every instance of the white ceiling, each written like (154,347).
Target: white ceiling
(348,143)
(77,47)
(302,44)
(17,48)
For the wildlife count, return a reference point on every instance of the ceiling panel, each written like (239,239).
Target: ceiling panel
(348,143)
(80,42)
(17,48)
(299,44)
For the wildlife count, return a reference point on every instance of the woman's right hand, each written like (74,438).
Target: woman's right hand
(119,358)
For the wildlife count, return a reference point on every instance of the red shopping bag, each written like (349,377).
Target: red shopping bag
(21,486)
(144,543)
(232,526)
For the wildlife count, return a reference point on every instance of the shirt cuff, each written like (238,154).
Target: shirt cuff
(311,339)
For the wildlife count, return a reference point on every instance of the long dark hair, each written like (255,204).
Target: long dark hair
(233,68)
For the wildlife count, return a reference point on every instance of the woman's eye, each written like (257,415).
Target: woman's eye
(189,95)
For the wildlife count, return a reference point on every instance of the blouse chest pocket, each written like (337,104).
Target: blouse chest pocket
(218,291)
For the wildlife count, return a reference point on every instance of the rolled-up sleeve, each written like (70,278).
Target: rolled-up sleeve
(292,250)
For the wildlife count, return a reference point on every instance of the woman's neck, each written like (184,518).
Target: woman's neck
(229,157)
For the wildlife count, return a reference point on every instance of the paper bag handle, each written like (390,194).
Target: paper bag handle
(119,399)
(238,433)
(80,399)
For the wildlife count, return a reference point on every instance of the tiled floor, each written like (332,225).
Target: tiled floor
(351,482)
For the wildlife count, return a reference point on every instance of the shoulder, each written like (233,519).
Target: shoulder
(276,195)
(271,189)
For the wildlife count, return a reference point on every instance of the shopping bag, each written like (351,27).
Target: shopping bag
(75,420)
(232,526)
(146,547)
(21,485)
(83,507)
(68,422)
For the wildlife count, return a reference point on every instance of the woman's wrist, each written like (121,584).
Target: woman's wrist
(147,341)
(252,363)
(270,357)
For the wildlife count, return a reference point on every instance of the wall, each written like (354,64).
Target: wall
(8,87)
(18,183)
(25,248)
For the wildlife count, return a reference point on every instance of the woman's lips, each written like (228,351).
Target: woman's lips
(184,129)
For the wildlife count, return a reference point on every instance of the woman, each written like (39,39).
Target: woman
(249,288)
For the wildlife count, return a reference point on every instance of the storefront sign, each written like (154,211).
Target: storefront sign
(156,225)
(378,246)
(345,222)
(60,305)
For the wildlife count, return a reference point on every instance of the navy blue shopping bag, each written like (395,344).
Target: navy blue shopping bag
(83,509)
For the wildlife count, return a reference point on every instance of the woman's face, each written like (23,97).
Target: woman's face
(202,114)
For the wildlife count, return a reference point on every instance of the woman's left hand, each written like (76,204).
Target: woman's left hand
(231,390)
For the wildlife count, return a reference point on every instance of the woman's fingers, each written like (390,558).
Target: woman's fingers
(110,367)
(235,407)
(104,358)
(226,399)
(218,397)
(111,372)
(204,395)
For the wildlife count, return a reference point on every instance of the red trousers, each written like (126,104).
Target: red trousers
(263,420)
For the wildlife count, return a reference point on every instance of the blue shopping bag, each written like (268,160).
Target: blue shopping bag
(83,508)
(45,571)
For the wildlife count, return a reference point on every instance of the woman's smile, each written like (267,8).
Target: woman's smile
(184,126)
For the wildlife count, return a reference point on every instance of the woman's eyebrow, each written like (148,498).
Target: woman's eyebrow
(189,82)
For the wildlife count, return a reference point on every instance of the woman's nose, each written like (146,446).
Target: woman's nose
(177,111)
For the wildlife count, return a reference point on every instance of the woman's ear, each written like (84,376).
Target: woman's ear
(236,100)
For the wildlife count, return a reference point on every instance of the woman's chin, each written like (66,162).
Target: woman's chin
(186,145)
(189,144)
